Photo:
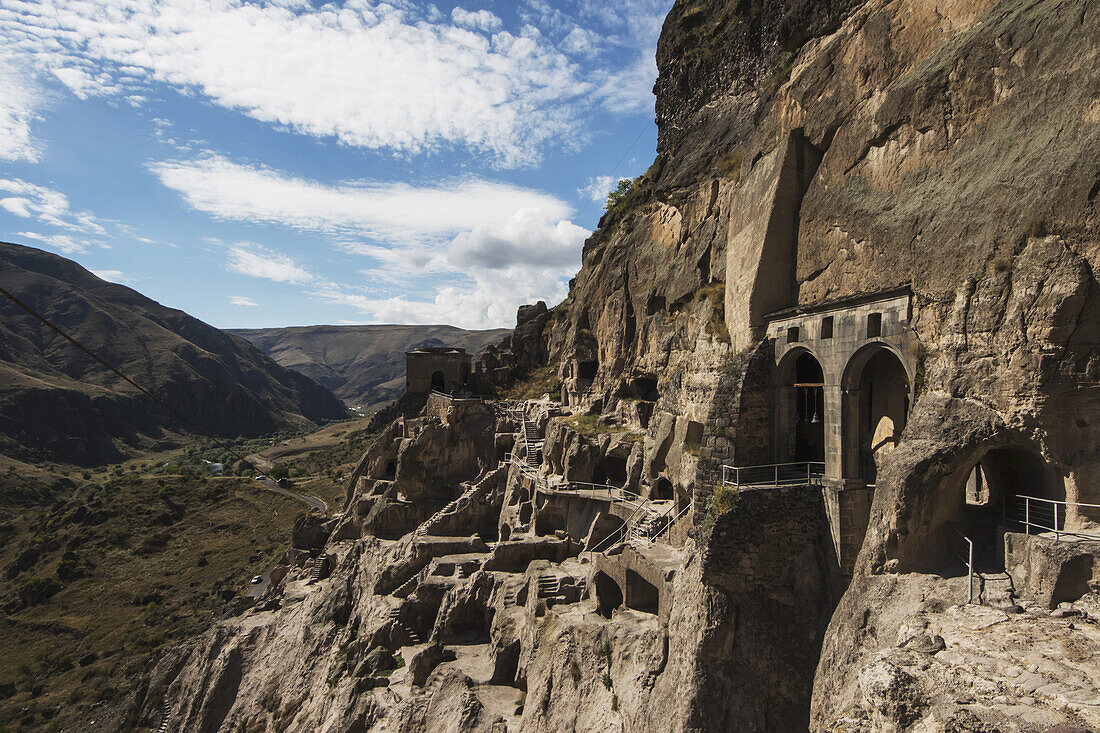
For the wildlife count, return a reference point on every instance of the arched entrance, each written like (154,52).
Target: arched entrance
(876,394)
(438,382)
(801,408)
(1010,486)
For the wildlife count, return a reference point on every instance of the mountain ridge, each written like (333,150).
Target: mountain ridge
(58,403)
(362,365)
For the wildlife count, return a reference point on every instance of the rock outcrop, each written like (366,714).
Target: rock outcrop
(847,322)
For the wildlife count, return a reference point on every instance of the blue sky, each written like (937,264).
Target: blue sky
(291,163)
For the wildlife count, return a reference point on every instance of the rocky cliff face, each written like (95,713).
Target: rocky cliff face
(905,193)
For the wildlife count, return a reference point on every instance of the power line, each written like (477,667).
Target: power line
(589,201)
(135,385)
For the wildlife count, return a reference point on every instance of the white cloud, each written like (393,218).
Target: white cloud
(630,89)
(47,206)
(395,211)
(372,74)
(64,243)
(254,260)
(114,276)
(597,188)
(508,245)
(18,110)
(527,239)
(241,300)
(483,20)
(368,73)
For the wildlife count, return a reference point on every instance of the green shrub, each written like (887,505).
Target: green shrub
(723,499)
(617,196)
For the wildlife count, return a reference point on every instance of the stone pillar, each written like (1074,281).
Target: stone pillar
(849,434)
(834,443)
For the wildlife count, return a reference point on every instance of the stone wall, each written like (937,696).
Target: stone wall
(767,559)
(449,367)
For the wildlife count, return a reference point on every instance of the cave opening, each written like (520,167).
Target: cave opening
(1009,486)
(608,594)
(641,595)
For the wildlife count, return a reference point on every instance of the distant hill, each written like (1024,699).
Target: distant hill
(58,403)
(363,365)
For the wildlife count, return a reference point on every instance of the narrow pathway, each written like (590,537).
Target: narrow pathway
(270,485)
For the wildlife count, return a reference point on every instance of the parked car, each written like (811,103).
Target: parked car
(284,483)
(257,579)
(261,477)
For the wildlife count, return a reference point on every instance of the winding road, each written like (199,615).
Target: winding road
(270,485)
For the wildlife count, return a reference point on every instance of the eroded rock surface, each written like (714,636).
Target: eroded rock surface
(581,564)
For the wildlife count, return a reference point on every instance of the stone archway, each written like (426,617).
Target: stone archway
(876,392)
(439,383)
(800,408)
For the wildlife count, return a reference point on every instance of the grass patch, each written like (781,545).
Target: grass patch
(534,385)
(729,165)
(103,574)
(590,426)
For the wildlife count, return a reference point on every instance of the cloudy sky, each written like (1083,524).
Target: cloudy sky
(289,162)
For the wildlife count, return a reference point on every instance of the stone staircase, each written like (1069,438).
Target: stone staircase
(320,565)
(645,524)
(164,711)
(549,586)
(533,441)
(414,636)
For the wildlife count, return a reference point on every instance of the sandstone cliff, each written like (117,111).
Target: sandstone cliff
(849,199)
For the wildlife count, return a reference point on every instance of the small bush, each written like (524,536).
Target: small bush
(32,591)
(618,195)
(723,499)
(575,672)
(534,385)
(607,680)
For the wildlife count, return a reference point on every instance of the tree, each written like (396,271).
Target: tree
(618,194)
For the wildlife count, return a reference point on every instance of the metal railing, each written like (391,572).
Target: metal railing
(966,557)
(460,397)
(1047,515)
(673,521)
(774,474)
(620,534)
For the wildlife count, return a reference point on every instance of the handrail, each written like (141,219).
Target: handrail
(1036,519)
(453,398)
(969,560)
(673,521)
(620,532)
(774,474)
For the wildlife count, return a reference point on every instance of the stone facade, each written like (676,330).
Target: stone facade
(441,369)
(858,344)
